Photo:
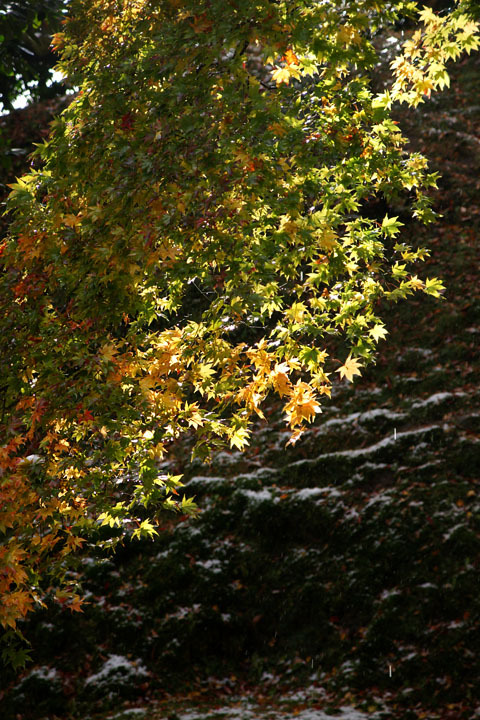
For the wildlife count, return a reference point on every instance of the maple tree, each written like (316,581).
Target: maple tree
(194,237)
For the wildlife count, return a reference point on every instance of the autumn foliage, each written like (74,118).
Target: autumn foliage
(196,235)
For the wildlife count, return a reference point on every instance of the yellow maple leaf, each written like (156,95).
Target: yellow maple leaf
(194,417)
(281,381)
(297,312)
(416,283)
(206,371)
(302,406)
(168,251)
(239,438)
(296,434)
(424,86)
(72,220)
(283,75)
(348,35)
(428,16)
(327,238)
(108,352)
(147,383)
(260,357)
(378,332)
(251,395)
(288,226)
(350,368)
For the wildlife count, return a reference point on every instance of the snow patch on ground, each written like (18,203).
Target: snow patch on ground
(205,480)
(224,458)
(335,422)
(183,612)
(129,713)
(311,492)
(214,566)
(436,399)
(258,496)
(249,711)
(383,413)
(383,498)
(44,672)
(452,531)
(370,449)
(117,667)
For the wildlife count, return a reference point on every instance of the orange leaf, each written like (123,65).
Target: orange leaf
(290,58)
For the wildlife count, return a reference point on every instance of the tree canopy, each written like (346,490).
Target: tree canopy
(197,235)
